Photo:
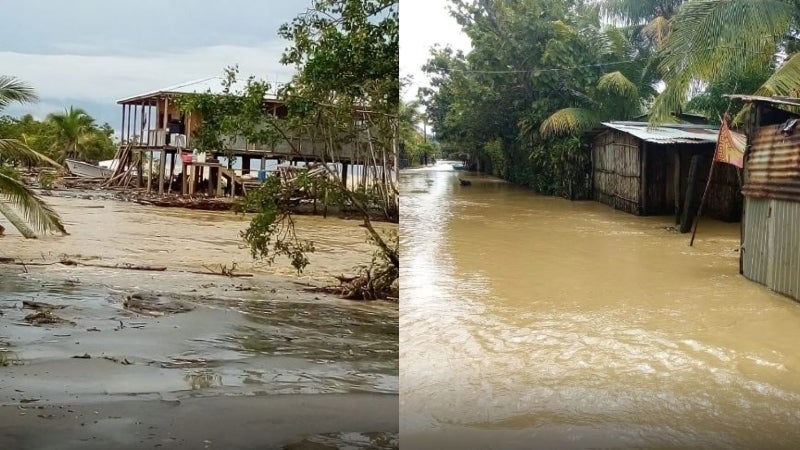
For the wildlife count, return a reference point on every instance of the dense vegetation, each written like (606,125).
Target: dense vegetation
(346,91)
(15,196)
(69,134)
(543,72)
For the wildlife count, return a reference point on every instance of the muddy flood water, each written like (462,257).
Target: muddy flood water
(193,360)
(535,322)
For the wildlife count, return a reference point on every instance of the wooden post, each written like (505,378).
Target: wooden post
(171,171)
(702,200)
(643,200)
(140,170)
(122,127)
(677,185)
(150,172)
(245,164)
(344,174)
(688,205)
(219,181)
(184,179)
(192,179)
(161,166)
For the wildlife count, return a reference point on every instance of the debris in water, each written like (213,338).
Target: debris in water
(84,356)
(30,304)
(44,317)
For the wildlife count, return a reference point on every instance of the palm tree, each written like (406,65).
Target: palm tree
(12,192)
(617,95)
(74,131)
(712,38)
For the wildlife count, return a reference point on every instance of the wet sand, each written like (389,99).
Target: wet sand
(245,362)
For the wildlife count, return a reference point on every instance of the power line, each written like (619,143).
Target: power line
(544,70)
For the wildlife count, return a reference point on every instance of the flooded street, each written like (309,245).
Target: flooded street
(132,345)
(529,319)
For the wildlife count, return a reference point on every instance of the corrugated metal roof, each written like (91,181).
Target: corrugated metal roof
(210,84)
(668,134)
(790,101)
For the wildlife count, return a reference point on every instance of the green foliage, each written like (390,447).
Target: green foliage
(539,71)
(271,232)
(712,39)
(13,193)
(238,112)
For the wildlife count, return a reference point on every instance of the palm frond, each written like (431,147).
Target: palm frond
(709,37)
(618,84)
(785,81)
(34,210)
(14,90)
(17,150)
(568,121)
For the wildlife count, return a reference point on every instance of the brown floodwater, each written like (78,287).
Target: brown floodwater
(260,335)
(528,320)
(177,238)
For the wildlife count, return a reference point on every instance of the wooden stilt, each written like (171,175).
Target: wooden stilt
(219,182)
(150,172)
(702,200)
(171,171)
(185,179)
(162,164)
(688,205)
(677,185)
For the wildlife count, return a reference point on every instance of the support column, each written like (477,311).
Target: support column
(162,164)
(344,174)
(150,173)
(245,165)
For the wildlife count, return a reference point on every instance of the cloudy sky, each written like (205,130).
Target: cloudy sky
(424,23)
(90,53)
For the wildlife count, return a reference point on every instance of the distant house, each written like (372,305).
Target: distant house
(770,252)
(646,171)
(152,123)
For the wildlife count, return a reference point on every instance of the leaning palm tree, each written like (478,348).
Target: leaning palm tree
(14,195)
(711,38)
(74,131)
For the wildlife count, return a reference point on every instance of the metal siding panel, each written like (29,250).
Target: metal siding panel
(786,245)
(773,165)
(755,240)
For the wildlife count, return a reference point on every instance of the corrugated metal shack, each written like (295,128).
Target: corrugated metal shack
(646,171)
(770,252)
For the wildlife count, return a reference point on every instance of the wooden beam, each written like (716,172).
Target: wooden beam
(676,179)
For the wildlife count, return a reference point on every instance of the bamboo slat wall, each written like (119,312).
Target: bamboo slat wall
(617,170)
(617,177)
